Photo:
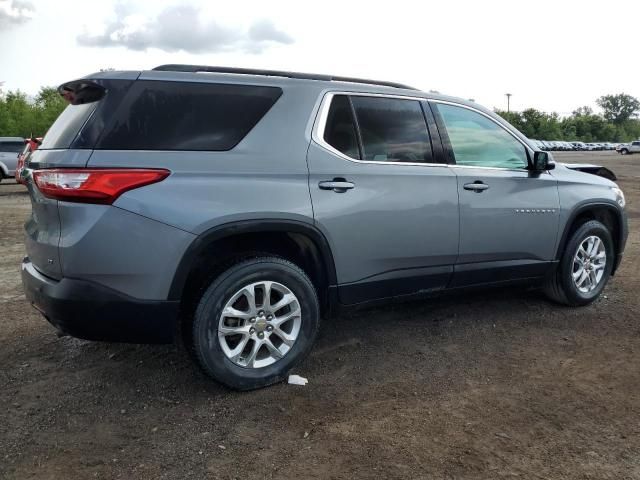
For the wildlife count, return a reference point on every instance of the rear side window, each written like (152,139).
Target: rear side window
(378,129)
(187,116)
(11,147)
(340,131)
(392,130)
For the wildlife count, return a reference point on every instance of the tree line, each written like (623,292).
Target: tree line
(617,123)
(22,117)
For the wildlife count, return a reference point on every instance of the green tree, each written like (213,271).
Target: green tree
(619,108)
(48,105)
(21,117)
(15,114)
(580,111)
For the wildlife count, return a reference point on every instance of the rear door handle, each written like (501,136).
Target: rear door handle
(477,186)
(339,185)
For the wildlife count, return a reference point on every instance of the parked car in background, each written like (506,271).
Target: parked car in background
(627,148)
(30,145)
(537,143)
(10,148)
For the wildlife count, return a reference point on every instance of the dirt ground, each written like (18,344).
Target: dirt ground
(497,385)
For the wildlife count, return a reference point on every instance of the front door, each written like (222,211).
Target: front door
(389,212)
(508,215)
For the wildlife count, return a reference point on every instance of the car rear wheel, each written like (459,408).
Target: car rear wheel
(255,322)
(585,266)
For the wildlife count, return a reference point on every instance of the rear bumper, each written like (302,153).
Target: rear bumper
(93,312)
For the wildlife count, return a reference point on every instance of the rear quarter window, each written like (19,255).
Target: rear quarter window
(64,130)
(159,115)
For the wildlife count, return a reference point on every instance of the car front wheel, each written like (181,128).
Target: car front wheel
(585,266)
(255,322)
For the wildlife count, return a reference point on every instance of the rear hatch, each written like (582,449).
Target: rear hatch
(68,144)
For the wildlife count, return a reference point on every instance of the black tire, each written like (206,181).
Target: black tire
(624,151)
(206,344)
(560,287)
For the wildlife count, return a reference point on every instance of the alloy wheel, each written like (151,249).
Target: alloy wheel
(589,264)
(259,324)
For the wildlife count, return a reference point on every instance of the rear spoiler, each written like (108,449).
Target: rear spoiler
(592,169)
(81,91)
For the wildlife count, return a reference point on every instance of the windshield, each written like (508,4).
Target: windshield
(11,147)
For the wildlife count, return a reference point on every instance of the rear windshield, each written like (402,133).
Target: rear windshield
(11,147)
(66,127)
(159,115)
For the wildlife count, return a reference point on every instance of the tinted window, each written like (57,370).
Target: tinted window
(392,130)
(340,131)
(187,116)
(11,147)
(66,127)
(478,141)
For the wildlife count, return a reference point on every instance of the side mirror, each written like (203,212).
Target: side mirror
(542,161)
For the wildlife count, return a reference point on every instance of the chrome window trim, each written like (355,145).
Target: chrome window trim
(317,134)
(526,147)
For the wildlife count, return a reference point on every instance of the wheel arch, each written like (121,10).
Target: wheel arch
(278,235)
(607,213)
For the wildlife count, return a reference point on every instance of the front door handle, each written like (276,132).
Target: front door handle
(339,185)
(476,186)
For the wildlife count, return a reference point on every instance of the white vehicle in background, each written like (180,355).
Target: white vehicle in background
(627,148)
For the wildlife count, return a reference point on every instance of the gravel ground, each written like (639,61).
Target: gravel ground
(492,385)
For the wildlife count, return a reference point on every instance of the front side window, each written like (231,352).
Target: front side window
(392,130)
(480,142)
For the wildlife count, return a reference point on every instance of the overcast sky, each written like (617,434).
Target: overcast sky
(554,55)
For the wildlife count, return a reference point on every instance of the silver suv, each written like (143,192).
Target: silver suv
(10,149)
(235,208)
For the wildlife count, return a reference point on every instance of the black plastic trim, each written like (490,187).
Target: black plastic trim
(396,283)
(275,73)
(87,310)
(250,226)
(448,157)
(622,222)
(482,273)
(356,125)
(437,152)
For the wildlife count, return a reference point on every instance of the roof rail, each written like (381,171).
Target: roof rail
(274,73)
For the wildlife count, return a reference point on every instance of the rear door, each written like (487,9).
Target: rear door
(508,215)
(387,208)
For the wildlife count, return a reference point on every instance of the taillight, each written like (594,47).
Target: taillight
(88,185)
